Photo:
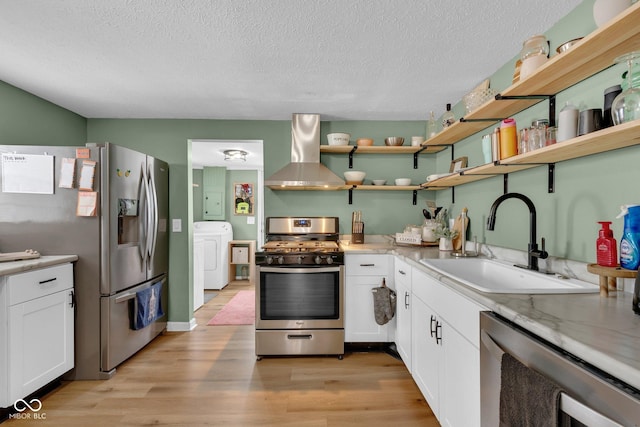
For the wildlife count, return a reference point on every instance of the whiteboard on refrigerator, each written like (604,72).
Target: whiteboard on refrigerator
(27,173)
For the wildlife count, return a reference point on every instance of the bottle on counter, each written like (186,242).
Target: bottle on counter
(630,241)
(448,118)
(606,246)
(508,138)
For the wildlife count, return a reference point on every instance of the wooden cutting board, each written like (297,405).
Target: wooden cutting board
(460,228)
(15,256)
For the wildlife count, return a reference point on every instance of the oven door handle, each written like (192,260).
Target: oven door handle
(287,270)
(584,414)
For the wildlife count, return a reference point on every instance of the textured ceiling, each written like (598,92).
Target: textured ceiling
(260,59)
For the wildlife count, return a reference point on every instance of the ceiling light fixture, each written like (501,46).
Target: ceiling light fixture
(232,155)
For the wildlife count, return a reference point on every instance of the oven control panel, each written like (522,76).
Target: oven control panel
(307,259)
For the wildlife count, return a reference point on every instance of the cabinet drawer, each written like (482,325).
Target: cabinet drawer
(38,283)
(402,273)
(368,265)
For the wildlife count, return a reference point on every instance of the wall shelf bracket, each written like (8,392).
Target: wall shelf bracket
(351,195)
(351,153)
(551,188)
(505,183)
(453,195)
(415,156)
(415,197)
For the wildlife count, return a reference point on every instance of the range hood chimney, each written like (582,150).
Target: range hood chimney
(305,169)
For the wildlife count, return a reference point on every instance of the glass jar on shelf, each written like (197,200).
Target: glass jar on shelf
(534,53)
(626,106)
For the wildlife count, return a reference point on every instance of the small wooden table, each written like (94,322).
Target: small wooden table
(242,253)
(609,276)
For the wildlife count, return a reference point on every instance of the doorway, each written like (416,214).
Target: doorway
(247,169)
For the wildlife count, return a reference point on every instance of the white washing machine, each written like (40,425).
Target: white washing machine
(216,236)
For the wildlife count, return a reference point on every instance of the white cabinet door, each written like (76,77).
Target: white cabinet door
(363,273)
(360,323)
(402,276)
(40,342)
(426,353)
(403,324)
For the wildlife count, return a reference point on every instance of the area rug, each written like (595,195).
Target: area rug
(241,310)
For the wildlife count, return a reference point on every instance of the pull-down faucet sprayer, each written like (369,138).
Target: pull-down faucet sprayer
(532,250)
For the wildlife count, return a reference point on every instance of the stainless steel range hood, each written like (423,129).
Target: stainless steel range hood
(305,169)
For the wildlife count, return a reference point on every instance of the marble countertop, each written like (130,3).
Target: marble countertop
(12,267)
(604,332)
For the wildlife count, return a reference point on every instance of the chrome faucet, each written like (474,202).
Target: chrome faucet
(533,253)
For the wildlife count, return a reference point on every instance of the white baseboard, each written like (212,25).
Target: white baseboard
(182,326)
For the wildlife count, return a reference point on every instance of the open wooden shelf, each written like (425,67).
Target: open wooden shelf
(612,138)
(367,187)
(378,149)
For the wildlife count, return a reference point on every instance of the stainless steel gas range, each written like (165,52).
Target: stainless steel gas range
(300,288)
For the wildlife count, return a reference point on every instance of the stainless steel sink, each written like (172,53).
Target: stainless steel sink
(493,276)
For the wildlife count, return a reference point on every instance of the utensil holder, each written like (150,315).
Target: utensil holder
(357,238)
(357,232)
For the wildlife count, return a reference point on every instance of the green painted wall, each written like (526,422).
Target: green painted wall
(26,119)
(587,190)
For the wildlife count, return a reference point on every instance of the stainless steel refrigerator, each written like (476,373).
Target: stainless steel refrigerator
(123,249)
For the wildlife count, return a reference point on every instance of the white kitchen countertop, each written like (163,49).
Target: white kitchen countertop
(12,267)
(604,332)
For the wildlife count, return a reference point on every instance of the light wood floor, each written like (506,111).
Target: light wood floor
(210,376)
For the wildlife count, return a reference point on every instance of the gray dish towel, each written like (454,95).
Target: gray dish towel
(384,304)
(527,398)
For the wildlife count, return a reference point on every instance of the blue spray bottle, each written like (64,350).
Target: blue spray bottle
(630,241)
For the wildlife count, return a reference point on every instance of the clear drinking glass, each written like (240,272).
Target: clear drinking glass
(626,106)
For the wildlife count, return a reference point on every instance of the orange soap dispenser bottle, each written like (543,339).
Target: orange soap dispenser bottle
(606,246)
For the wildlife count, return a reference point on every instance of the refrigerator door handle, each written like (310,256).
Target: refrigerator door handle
(144,215)
(126,297)
(153,210)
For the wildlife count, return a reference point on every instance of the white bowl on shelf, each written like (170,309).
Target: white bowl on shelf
(338,138)
(379,181)
(354,177)
(403,181)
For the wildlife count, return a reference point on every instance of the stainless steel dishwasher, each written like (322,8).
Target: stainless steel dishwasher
(590,397)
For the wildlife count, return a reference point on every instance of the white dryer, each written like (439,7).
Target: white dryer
(216,236)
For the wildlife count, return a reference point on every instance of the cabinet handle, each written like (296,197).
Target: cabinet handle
(42,282)
(439,333)
(406,300)
(367,265)
(72,303)
(431,326)
(402,272)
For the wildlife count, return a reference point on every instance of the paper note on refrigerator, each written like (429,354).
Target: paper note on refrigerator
(87,203)
(87,173)
(27,173)
(67,173)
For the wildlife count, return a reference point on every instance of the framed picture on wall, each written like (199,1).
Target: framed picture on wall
(243,203)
